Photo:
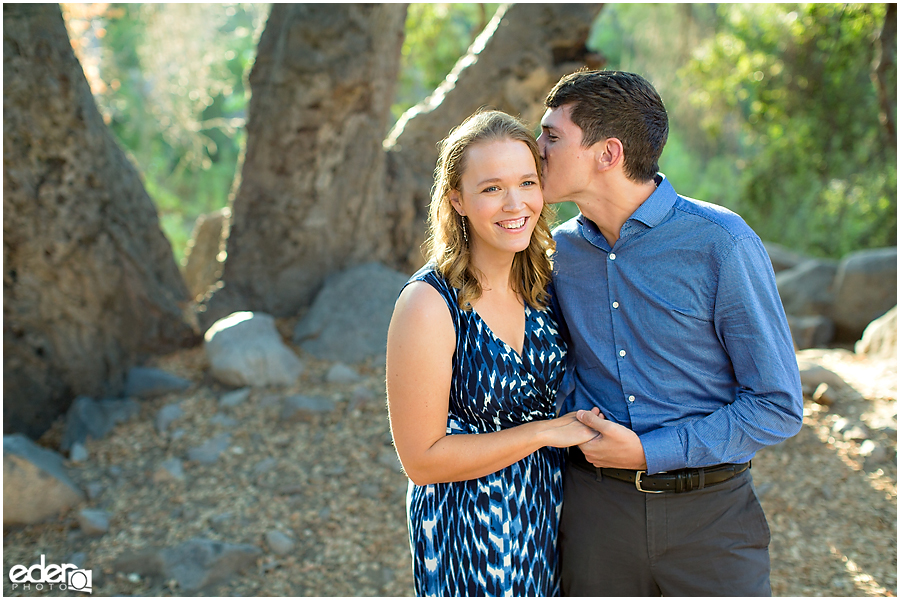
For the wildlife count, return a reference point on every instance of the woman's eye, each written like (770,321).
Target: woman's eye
(529,183)
(492,188)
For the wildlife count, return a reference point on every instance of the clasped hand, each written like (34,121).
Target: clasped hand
(615,446)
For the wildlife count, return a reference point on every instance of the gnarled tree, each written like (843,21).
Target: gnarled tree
(321,188)
(90,285)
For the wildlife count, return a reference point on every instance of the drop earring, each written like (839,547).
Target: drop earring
(465,232)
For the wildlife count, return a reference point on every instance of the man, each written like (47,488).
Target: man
(683,358)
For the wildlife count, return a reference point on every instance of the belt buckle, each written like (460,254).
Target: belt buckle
(637,484)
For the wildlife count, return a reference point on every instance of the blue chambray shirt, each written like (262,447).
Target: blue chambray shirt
(677,332)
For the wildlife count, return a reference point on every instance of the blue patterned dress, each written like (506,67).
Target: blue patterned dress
(495,535)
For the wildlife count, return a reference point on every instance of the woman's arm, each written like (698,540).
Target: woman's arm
(420,346)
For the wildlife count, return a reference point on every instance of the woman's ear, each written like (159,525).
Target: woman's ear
(454,197)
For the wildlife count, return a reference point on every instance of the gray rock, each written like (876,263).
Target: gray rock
(341,373)
(93,489)
(171,469)
(279,543)
(93,522)
(264,466)
(806,290)
(88,418)
(782,257)
(879,339)
(78,453)
(824,395)
(79,559)
(344,324)
(865,288)
(36,485)
(303,408)
(222,420)
(208,452)
(167,415)
(195,565)
(222,523)
(245,349)
(813,375)
(148,382)
(811,332)
(232,399)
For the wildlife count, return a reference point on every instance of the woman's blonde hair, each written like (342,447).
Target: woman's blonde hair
(446,245)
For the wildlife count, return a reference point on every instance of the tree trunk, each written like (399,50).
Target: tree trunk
(319,192)
(886,74)
(90,285)
(310,200)
(512,65)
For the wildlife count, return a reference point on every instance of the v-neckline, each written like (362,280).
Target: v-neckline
(519,355)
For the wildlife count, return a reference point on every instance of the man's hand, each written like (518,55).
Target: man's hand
(616,446)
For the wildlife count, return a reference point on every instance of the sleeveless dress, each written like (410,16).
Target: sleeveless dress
(495,535)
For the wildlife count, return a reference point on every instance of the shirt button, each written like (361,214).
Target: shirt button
(615,305)
(631,398)
(612,256)
(621,353)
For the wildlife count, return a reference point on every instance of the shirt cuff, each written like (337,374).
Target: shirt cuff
(663,450)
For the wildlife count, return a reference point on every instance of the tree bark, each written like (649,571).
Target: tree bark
(310,200)
(511,66)
(886,74)
(90,285)
(319,192)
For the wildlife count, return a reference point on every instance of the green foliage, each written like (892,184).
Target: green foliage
(169,80)
(773,113)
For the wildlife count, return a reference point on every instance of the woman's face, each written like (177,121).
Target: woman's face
(500,195)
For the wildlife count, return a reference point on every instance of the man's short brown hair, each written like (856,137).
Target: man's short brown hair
(616,104)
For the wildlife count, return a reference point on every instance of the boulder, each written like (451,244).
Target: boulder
(879,339)
(91,418)
(865,288)
(806,290)
(811,332)
(148,382)
(245,349)
(349,319)
(195,565)
(783,258)
(36,485)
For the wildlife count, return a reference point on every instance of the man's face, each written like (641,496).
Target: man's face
(568,167)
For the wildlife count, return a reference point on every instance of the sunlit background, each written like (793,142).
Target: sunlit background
(774,108)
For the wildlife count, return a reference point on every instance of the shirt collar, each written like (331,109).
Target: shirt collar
(651,213)
(655,208)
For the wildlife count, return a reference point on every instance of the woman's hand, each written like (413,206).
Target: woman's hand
(566,431)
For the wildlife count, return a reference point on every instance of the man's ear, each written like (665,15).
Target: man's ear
(454,198)
(610,154)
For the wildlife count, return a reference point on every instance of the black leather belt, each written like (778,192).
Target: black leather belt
(683,480)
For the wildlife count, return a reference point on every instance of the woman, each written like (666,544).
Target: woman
(474,360)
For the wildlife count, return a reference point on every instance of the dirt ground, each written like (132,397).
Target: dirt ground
(336,488)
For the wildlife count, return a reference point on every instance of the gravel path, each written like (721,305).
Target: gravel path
(333,484)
